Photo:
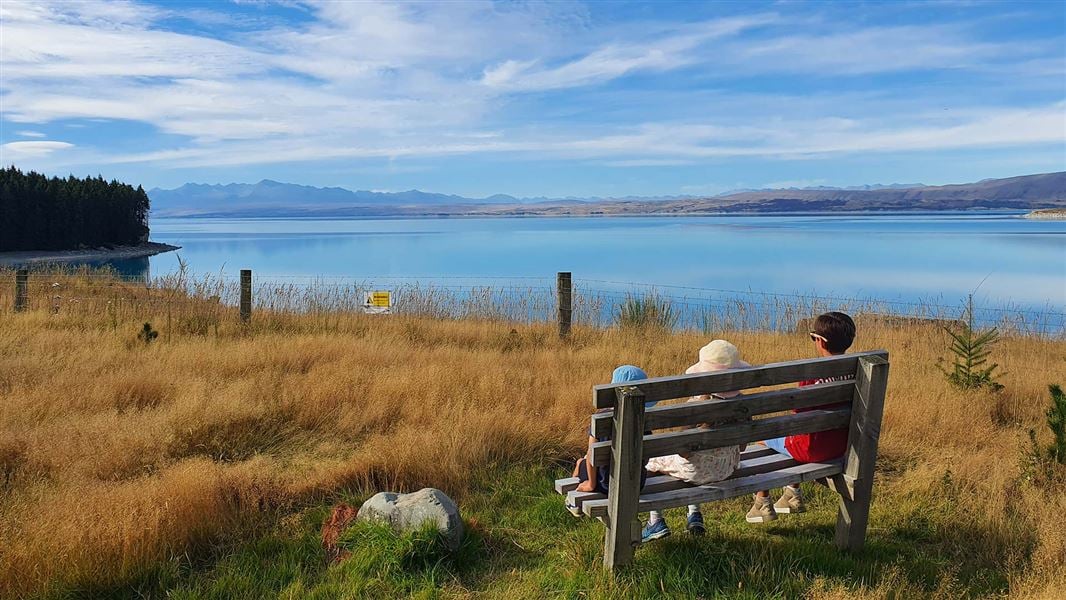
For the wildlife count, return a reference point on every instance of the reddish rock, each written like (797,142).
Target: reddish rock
(332,529)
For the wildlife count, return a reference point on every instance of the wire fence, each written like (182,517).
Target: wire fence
(205,298)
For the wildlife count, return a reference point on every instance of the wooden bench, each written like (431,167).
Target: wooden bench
(627,449)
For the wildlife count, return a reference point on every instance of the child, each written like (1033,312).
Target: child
(597,479)
(704,466)
(832,334)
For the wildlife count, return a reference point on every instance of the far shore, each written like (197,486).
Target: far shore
(28,257)
(1050,214)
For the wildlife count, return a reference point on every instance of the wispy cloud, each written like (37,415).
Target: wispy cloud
(392,80)
(16,150)
(673,50)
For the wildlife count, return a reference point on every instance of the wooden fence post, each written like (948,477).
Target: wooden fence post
(246,295)
(623,490)
(21,294)
(564,293)
(856,493)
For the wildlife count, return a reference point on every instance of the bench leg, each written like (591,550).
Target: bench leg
(853,516)
(855,486)
(620,544)
(623,491)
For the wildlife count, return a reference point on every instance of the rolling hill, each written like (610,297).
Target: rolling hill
(275,199)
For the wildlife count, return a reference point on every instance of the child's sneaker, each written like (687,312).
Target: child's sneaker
(571,505)
(791,501)
(654,531)
(695,523)
(761,511)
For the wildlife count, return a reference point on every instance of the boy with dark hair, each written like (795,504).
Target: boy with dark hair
(832,333)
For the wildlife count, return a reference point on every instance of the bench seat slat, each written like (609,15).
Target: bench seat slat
(691,440)
(756,451)
(568,484)
(722,490)
(741,407)
(665,483)
(658,483)
(762,464)
(683,386)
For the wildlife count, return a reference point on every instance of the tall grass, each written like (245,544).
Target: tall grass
(647,311)
(197,303)
(119,459)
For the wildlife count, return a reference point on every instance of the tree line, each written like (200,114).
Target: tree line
(42,213)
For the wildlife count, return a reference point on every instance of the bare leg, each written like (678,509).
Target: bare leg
(589,485)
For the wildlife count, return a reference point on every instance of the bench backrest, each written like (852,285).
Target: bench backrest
(628,448)
(850,381)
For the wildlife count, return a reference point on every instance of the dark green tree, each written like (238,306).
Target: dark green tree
(41,213)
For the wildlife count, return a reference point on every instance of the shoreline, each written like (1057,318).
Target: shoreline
(1048,214)
(310,216)
(30,257)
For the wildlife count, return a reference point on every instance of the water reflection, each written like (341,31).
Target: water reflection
(906,257)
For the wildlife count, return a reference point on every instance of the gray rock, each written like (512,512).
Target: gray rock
(409,512)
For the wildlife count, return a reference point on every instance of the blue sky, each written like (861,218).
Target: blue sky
(535,98)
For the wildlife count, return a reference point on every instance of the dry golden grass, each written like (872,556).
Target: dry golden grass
(116,456)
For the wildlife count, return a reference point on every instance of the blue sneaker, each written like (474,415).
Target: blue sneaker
(695,523)
(654,531)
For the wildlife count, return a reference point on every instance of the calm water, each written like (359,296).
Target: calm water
(930,257)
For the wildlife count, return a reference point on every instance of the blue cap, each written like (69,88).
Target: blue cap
(626,373)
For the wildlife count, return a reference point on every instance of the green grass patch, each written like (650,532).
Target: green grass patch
(521,543)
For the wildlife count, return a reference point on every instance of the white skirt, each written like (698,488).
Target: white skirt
(705,466)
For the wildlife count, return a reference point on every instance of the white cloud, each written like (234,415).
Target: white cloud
(871,50)
(31,134)
(16,150)
(376,79)
(614,60)
(662,144)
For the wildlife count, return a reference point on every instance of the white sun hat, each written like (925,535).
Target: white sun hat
(718,355)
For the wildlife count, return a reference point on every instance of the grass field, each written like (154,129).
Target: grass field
(202,464)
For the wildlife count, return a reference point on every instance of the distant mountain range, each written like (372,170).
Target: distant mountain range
(275,199)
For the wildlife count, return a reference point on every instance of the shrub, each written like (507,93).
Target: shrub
(147,334)
(649,311)
(971,348)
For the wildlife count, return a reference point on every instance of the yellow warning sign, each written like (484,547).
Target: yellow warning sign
(380,299)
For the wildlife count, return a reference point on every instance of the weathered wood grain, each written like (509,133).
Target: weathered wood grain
(691,440)
(741,407)
(564,297)
(623,490)
(568,484)
(246,295)
(871,383)
(751,463)
(730,488)
(683,386)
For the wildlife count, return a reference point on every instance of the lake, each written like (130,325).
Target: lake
(935,258)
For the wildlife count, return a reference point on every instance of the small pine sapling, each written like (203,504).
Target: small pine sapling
(971,349)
